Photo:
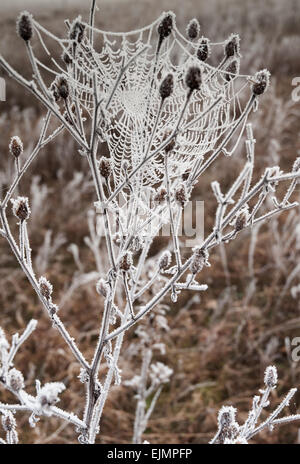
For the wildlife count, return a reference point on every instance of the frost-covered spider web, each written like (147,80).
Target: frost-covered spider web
(131,125)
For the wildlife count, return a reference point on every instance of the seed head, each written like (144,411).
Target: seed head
(199,260)
(203,51)
(231,70)
(16,146)
(24,26)
(193,78)
(241,220)
(193,29)
(77,30)
(102,288)
(21,208)
(167,86)
(232,46)
(45,287)
(181,195)
(62,87)
(165,26)
(160,196)
(126,261)
(8,421)
(271,377)
(164,260)
(15,380)
(226,416)
(261,82)
(105,167)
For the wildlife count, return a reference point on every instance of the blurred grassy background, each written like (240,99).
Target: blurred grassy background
(218,347)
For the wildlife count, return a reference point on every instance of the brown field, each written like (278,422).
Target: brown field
(218,347)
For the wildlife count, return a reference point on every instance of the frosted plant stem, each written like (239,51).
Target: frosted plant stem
(174,235)
(141,403)
(33,89)
(58,323)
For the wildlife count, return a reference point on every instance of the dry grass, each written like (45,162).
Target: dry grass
(218,348)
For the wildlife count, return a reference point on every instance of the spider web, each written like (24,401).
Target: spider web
(131,126)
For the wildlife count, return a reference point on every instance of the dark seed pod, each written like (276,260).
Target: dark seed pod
(165,26)
(261,82)
(241,221)
(181,195)
(203,51)
(167,86)
(21,208)
(105,167)
(193,29)
(164,260)
(199,260)
(126,262)
(24,26)
(232,46)
(77,30)
(62,87)
(193,78)
(160,197)
(16,146)
(45,287)
(231,70)
(15,380)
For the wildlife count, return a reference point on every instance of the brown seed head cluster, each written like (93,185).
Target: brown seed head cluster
(165,26)
(24,26)
(166,87)
(193,29)
(241,220)
(105,167)
(181,195)
(203,51)
(193,78)
(21,208)
(77,30)
(261,82)
(126,261)
(45,287)
(62,87)
(15,380)
(232,46)
(199,260)
(164,260)
(16,146)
